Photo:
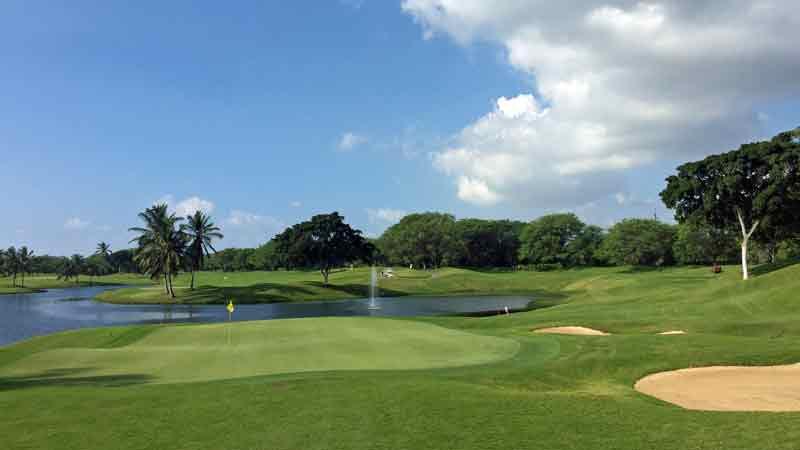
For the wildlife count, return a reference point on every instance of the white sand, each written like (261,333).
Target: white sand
(579,331)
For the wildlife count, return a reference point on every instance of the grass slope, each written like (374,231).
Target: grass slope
(556,392)
(282,286)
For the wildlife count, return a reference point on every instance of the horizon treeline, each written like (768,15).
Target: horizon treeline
(738,206)
(554,241)
(431,240)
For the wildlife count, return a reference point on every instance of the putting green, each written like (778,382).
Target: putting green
(203,352)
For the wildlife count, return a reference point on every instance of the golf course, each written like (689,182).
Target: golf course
(427,383)
(400,225)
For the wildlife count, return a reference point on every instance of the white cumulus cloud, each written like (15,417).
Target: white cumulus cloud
(188,206)
(193,204)
(385,215)
(76,223)
(248,229)
(243,218)
(617,86)
(350,141)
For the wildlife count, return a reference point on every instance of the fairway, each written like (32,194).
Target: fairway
(208,352)
(424,384)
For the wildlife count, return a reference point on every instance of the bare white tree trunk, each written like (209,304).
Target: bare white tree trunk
(744,259)
(745,238)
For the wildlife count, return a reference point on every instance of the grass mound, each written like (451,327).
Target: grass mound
(244,349)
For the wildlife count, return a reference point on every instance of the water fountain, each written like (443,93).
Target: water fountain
(373,291)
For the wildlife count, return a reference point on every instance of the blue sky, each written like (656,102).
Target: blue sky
(265,113)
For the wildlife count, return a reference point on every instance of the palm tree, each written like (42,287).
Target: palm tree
(161,243)
(24,261)
(12,264)
(103,249)
(72,268)
(200,230)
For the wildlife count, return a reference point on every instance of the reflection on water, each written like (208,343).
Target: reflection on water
(26,315)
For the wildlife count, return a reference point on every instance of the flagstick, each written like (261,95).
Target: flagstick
(229,328)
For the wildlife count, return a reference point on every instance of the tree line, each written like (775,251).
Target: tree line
(16,264)
(19,263)
(739,206)
(555,241)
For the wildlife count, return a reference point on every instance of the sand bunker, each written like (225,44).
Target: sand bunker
(671,332)
(580,331)
(727,388)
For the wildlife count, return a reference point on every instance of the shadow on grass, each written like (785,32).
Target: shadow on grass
(255,293)
(490,269)
(764,269)
(642,269)
(356,290)
(70,377)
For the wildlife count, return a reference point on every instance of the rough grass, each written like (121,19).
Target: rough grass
(556,392)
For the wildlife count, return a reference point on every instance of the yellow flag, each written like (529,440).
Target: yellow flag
(230,306)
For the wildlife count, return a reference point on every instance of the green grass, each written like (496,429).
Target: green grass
(545,391)
(39,283)
(283,286)
(219,351)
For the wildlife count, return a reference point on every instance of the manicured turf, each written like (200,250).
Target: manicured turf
(555,392)
(218,351)
(37,283)
(282,286)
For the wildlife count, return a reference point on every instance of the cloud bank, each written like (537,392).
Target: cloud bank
(615,87)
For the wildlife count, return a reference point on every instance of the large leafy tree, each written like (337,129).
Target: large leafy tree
(265,257)
(547,240)
(232,260)
(161,245)
(487,243)
(639,242)
(325,242)
(45,264)
(698,243)
(757,184)
(200,231)
(425,240)
(122,261)
(584,250)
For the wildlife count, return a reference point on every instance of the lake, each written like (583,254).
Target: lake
(23,316)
